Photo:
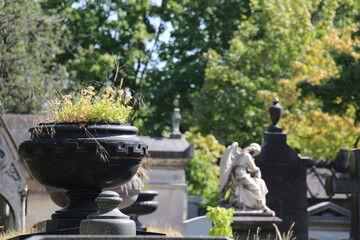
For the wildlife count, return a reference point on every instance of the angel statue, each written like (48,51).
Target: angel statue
(240,175)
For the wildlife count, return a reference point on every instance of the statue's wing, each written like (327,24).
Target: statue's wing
(226,166)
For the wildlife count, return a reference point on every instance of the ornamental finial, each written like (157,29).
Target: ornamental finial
(275,114)
(176,117)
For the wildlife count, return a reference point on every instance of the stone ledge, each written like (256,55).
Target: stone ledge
(114,237)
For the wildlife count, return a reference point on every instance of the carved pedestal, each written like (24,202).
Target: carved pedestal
(245,225)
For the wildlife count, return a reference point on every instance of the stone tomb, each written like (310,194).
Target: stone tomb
(285,175)
(167,176)
(328,221)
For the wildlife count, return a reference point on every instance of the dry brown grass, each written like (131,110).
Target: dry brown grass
(8,234)
(284,236)
(168,230)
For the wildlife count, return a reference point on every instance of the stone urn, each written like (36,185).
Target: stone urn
(83,160)
(145,204)
(128,193)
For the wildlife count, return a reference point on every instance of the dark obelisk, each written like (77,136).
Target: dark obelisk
(284,173)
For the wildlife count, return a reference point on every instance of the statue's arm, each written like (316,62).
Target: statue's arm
(252,168)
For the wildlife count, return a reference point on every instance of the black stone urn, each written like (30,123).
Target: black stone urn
(83,160)
(145,204)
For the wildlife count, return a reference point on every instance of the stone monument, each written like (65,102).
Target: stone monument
(285,175)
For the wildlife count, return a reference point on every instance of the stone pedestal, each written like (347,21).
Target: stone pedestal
(245,225)
(108,220)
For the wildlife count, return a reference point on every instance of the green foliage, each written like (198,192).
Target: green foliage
(109,106)
(315,72)
(321,135)
(221,219)
(261,53)
(29,39)
(340,91)
(202,172)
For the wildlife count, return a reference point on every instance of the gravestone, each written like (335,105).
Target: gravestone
(285,175)
(198,226)
(13,188)
(350,186)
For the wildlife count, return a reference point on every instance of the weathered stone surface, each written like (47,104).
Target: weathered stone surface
(13,188)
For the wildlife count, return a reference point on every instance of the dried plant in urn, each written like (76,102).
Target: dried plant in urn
(84,146)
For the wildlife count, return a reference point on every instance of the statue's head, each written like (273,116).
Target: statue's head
(254,149)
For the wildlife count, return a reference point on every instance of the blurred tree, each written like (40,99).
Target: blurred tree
(104,34)
(339,92)
(261,53)
(194,27)
(29,40)
(220,61)
(314,132)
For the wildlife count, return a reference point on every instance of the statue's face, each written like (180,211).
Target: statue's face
(255,153)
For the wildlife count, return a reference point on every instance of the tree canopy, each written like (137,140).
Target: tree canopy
(221,62)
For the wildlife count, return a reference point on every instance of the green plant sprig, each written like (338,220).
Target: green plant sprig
(111,105)
(221,219)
